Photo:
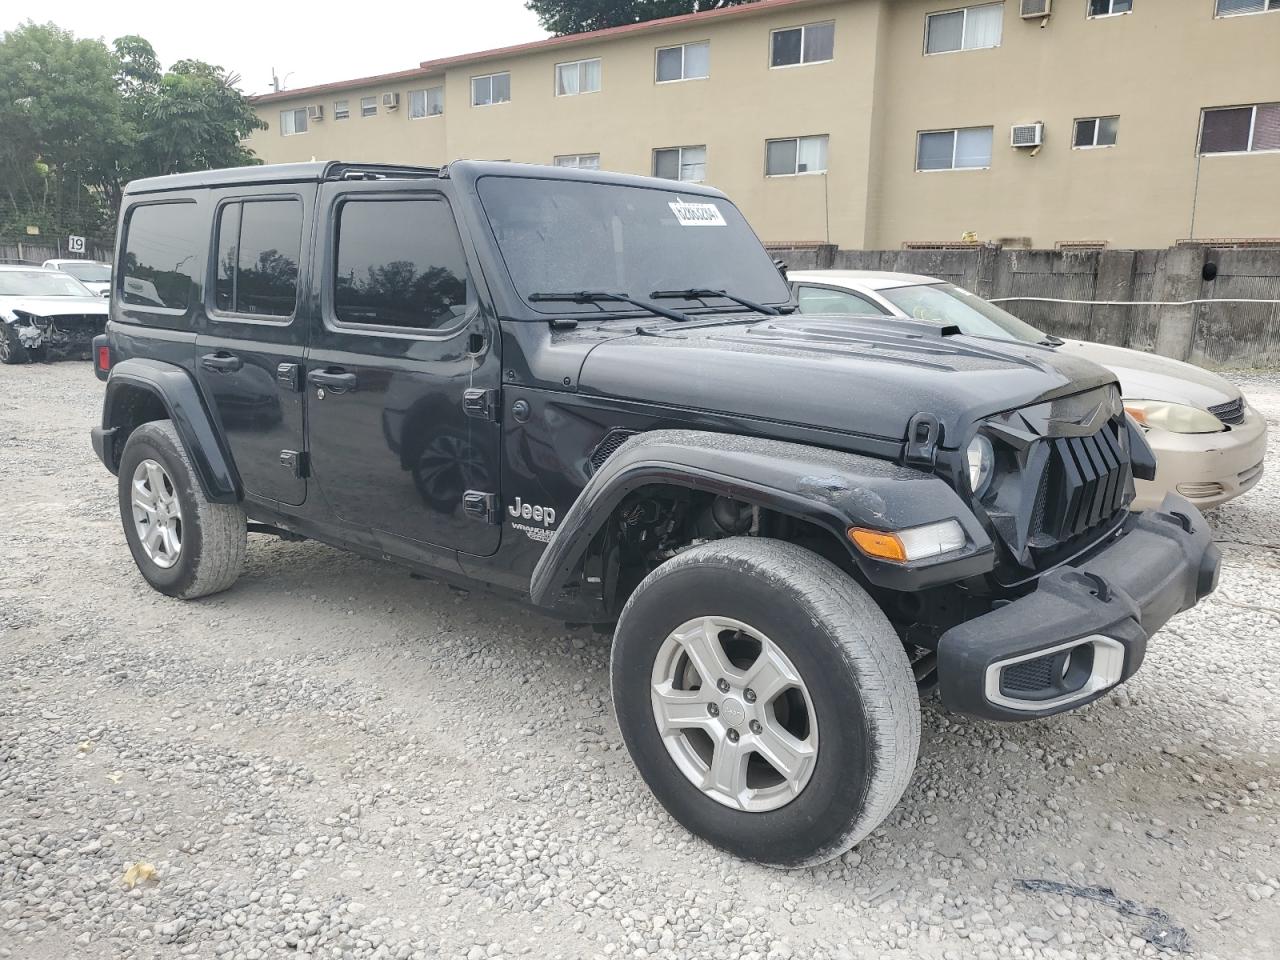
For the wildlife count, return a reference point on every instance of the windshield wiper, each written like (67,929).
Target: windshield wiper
(701,293)
(602,296)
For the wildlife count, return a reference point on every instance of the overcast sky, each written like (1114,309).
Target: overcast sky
(308,42)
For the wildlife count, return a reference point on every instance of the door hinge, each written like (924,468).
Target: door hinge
(289,376)
(924,433)
(481,506)
(480,404)
(299,464)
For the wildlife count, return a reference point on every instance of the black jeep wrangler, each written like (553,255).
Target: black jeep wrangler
(591,392)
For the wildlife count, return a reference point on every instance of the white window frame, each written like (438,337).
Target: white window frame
(1097,127)
(577,159)
(342,112)
(680,160)
(1090,15)
(490,76)
(426,115)
(555,76)
(682,47)
(796,140)
(1253,130)
(369,106)
(1272,6)
(955,143)
(964,29)
(295,132)
(804,31)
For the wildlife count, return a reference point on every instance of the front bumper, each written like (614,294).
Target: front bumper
(1085,628)
(1206,468)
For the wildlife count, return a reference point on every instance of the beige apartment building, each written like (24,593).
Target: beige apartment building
(869,123)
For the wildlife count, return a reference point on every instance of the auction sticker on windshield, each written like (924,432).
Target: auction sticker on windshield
(697,214)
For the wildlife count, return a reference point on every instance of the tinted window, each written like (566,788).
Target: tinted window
(160,254)
(399,264)
(258,246)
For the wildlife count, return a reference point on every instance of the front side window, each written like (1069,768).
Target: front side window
(812,43)
(160,254)
(843,302)
(258,248)
(341,109)
(1096,132)
(688,61)
(1234,8)
(579,161)
(426,103)
(293,122)
(794,155)
(681,163)
(580,76)
(968,148)
(1109,8)
(490,89)
(973,28)
(368,106)
(399,263)
(1249,129)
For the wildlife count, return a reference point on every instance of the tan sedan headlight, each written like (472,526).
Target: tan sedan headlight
(1174,417)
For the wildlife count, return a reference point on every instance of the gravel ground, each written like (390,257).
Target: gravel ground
(336,760)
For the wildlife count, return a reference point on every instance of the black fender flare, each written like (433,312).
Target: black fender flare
(834,489)
(176,390)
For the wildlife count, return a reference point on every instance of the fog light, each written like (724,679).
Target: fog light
(916,543)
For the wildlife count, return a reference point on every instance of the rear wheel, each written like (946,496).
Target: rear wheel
(11,349)
(766,700)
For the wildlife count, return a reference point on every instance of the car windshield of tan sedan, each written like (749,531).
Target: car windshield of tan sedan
(947,303)
(40,283)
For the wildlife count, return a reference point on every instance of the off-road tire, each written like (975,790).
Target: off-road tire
(214,535)
(849,658)
(11,349)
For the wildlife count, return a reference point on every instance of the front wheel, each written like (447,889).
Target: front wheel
(11,349)
(766,700)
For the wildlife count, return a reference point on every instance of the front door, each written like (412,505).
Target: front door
(250,344)
(401,340)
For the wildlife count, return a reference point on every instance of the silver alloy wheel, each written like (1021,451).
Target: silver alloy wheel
(157,514)
(734,714)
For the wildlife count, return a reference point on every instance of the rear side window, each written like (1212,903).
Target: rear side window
(258,247)
(160,255)
(399,263)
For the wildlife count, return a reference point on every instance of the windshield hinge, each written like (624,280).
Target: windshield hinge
(480,404)
(924,433)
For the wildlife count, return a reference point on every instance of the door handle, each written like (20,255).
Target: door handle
(335,379)
(221,362)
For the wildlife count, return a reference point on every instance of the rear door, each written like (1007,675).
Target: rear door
(403,371)
(249,350)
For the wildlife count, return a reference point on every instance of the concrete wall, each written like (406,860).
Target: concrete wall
(1209,334)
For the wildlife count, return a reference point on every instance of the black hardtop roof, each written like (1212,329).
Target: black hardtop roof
(464,170)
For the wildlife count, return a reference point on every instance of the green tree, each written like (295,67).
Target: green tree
(579,16)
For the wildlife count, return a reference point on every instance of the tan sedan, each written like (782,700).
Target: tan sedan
(1209,443)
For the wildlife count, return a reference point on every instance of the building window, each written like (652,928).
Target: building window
(368,106)
(579,161)
(973,28)
(968,148)
(1095,132)
(341,109)
(1109,8)
(494,88)
(689,61)
(1250,129)
(795,155)
(293,122)
(681,163)
(426,103)
(1234,8)
(812,43)
(580,76)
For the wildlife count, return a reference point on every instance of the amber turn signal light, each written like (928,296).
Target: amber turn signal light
(875,543)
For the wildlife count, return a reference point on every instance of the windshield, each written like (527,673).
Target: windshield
(40,283)
(947,303)
(88,271)
(571,235)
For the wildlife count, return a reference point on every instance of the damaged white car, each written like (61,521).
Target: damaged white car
(46,315)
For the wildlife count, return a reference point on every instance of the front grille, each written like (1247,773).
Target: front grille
(1029,676)
(1086,481)
(1231,413)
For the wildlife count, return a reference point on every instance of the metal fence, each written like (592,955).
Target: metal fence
(24,251)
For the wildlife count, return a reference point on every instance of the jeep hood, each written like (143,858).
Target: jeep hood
(835,373)
(54,306)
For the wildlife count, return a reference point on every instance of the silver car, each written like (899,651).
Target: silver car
(45,313)
(1209,442)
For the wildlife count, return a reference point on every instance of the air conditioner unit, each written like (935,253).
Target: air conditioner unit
(1027,135)
(315,112)
(1034,9)
(390,101)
